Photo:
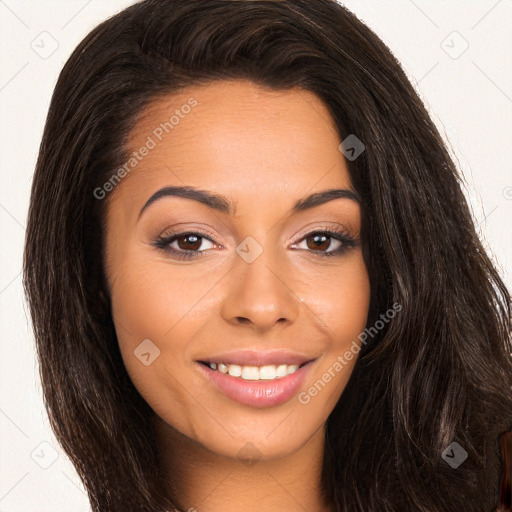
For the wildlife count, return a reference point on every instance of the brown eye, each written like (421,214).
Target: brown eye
(327,243)
(320,242)
(184,245)
(189,242)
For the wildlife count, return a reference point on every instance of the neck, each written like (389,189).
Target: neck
(208,482)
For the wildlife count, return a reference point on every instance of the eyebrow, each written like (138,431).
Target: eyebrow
(224,205)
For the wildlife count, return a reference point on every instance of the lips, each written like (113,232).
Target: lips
(257,393)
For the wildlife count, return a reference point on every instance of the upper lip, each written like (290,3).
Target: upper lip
(258,358)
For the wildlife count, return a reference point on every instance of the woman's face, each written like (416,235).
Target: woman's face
(192,282)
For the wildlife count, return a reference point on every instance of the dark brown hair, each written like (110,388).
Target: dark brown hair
(439,372)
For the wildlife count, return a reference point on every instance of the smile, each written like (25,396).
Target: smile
(256,386)
(268,372)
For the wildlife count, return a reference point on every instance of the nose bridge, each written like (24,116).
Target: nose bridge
(258,290)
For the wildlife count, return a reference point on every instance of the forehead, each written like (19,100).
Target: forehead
(239,139)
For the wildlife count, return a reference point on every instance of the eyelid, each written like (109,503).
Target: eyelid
(171,232)
(335,227)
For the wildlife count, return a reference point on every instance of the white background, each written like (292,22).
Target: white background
(470,98)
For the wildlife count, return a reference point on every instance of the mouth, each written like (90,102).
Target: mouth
(256,386)
(255,373)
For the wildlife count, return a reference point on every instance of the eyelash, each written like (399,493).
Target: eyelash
(163,242)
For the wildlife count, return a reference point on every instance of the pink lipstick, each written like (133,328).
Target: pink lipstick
(257,379)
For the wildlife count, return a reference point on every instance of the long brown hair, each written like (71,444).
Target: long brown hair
(439,373)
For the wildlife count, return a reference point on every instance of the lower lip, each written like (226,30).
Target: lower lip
(257,393)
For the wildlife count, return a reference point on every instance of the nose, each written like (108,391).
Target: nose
(260,294)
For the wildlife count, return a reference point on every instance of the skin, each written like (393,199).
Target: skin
(264,150)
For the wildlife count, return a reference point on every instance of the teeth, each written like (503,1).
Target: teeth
(269,372)
(234,370)
(281,370)
(250,373)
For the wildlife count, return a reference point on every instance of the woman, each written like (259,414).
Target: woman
(204,165)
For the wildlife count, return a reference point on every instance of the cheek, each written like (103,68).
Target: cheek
(150,317)
(342,306)
(341,300)
(145,308)
(149,298)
